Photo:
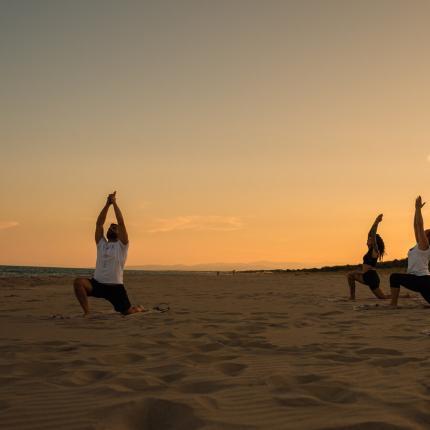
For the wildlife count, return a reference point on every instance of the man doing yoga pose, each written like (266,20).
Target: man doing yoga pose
(107,282)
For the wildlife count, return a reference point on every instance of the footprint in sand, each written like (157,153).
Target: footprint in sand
(203,387)
(68,348)
(262,345)
(85,377)
(209,347)
(309,378)
(197,335)
(231,369)
(173,377)
(167,369)
(297,401)
(231,335)
(122,358)
(301,324)
(278,325)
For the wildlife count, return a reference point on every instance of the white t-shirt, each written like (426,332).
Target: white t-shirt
(110,263)
(418,261)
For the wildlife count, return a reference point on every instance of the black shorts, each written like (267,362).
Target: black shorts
(371,279)
(114,293)
(420,284)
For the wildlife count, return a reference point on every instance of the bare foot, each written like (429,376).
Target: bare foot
(135,309)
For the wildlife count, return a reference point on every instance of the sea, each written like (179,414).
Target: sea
(32,271)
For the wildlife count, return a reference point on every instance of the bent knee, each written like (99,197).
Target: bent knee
(77,282)
(80,283)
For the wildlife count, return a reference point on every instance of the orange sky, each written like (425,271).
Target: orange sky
(232,131)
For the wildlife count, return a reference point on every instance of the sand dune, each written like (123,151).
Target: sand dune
(251,351)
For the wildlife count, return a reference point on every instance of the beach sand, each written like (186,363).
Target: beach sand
(250,351)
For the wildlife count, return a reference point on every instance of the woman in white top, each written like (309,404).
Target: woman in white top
(417,277)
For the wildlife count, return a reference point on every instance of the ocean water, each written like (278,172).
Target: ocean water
(29,271)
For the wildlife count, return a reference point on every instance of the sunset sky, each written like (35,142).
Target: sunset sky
(233,131)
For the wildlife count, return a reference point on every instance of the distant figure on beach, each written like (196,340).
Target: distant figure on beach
(368,275)
(417,277)
(107,282)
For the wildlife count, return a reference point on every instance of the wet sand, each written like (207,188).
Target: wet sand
(250,351)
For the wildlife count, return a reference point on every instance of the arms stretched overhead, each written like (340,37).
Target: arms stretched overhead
(372,233)
(420,234)
(119,231)
(122,231)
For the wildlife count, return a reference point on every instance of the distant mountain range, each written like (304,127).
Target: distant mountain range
(263,265)
(255,265)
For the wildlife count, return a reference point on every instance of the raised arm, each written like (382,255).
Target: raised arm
(420,235)
(102,218)
(373,230)
(122,231)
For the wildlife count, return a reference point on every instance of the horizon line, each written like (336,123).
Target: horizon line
(166,267)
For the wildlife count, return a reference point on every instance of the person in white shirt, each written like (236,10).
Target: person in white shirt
(107,282)
(417,277)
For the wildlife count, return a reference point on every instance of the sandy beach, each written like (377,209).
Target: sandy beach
(250,351)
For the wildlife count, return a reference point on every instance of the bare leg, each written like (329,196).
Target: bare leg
(82,289)
(398,279)
(351,283)
(352,277)
(394,296)
(380,294)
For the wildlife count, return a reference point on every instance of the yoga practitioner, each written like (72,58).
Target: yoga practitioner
(417,277)
(368,275)
(107,282)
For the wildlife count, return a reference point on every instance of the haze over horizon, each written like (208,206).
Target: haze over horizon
(232,131)
(253,265)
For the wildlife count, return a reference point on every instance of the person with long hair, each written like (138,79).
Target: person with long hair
(417,277)
(368,275)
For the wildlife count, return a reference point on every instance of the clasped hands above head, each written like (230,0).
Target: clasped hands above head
(111,199)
